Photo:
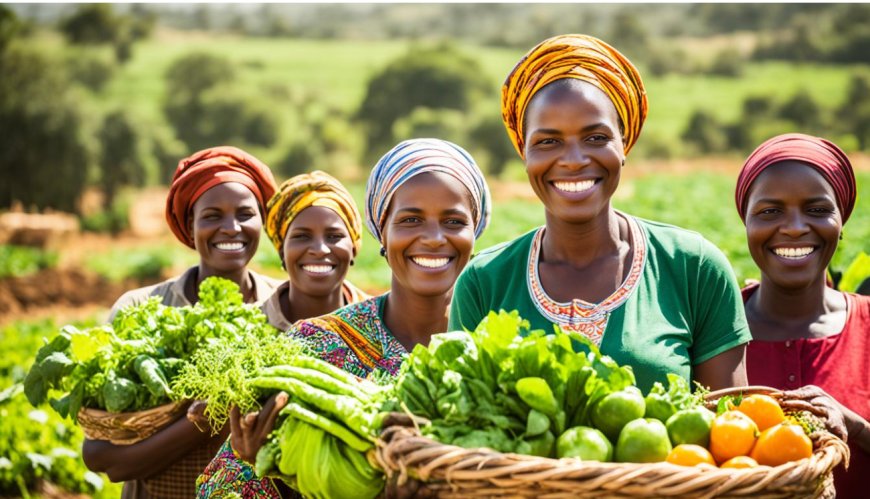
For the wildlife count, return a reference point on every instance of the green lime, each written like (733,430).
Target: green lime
(586,443)
(658,406)
(643,441)
(617,409)
(691,426)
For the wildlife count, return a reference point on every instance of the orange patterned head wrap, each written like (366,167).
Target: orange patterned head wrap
(206,169)
(574,56)
(310,189)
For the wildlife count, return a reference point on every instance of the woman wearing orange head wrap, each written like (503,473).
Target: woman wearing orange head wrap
(653,296)
(795,193)
(215,205)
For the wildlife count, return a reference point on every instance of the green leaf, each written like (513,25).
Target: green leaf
(856,273)
(85,344)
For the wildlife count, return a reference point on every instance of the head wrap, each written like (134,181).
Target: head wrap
(206,169)
(823,155)
(310,189)
(574,56)
(416,156)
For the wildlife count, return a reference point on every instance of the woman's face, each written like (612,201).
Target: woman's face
(317,252)
(574,150)
(429,233)
(226,227)
(792,224)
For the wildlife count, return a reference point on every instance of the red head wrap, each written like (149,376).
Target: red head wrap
(206,169)
(821,154)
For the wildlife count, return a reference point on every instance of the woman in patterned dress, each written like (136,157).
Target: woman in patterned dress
(653,296)
(426,203)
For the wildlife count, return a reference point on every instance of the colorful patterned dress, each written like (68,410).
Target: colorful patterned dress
(353,338)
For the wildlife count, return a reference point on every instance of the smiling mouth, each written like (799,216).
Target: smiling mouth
(579,186)
(430,263)
(318,269)
(793,253)
(234,246)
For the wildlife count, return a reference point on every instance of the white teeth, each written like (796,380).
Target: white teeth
(318,269)
(432,263)
(581,186)
(794,252)
(229,246)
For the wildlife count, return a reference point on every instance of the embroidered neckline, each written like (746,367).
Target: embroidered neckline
(588,319)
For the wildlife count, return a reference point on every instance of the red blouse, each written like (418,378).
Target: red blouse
(839,364)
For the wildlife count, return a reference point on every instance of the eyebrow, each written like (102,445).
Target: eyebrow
(816,199)
(451,211)
(553,131)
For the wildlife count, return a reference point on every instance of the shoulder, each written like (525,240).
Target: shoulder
(352,293)
(503,254)
(330,323)
(265,285)
(860,309)
(139,295)
(677,242)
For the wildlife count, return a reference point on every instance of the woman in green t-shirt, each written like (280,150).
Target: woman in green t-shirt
(656,297)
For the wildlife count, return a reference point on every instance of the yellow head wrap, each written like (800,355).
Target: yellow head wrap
(574,56)
(310,189)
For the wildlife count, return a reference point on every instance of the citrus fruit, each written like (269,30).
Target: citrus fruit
(739,462)
(691,426)
(643,441)
(658,407)
(782,443)
(690,455)
(732,434)
(586,443)
(762,409)
(616,409)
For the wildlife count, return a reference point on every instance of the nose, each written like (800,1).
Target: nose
(574,155)
(231,225)
(794,224)
(433,235)
(318,246)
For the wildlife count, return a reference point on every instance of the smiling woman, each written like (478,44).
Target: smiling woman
(215,206)
(426,202)
(795,193)
(653,296)
(314,224)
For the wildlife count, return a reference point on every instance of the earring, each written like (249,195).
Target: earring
(841,236)
(383,251)
(623,161)
(351,263)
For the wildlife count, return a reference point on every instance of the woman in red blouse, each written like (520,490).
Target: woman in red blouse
(795,193)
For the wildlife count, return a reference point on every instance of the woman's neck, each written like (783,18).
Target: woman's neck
(297,305)
(775,312)
(580,245)
(412,318)
(240,277)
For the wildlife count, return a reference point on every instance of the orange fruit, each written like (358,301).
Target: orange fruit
(690,455)
(782,443)
(732,434)
(739,462)
(763,409)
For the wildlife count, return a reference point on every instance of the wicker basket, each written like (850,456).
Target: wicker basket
(127,428)
(448,471)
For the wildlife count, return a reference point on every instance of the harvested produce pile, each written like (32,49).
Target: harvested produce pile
(129,366)
(510,389)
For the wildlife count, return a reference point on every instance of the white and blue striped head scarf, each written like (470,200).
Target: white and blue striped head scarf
(416,156)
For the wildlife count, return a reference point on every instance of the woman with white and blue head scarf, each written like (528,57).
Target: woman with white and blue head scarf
(426,203)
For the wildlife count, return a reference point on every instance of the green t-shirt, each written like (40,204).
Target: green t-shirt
(684,309)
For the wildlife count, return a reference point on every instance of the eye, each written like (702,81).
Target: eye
(409,220)
(821,210)
(299,236)
(456,222)
(336,236)
(598,138)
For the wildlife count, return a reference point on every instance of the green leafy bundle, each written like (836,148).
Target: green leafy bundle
(129,366)
(506,387)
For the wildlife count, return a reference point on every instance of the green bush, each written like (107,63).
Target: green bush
(19,261)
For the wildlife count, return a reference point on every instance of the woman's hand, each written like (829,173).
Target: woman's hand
(840,420)
(250,432)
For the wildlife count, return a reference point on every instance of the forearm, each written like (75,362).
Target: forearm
(858,428)
(146,458)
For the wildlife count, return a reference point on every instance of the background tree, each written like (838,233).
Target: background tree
(93,23)
(121,157)
(433,77)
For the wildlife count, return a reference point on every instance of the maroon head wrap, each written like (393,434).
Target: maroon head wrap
(821,154)
(206,169)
